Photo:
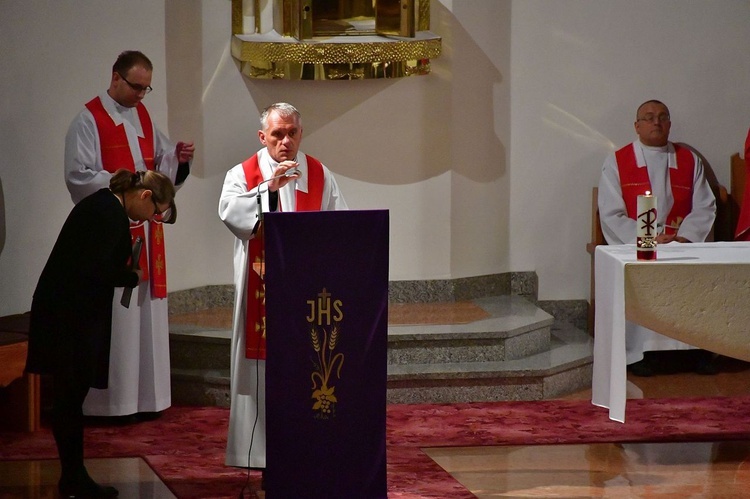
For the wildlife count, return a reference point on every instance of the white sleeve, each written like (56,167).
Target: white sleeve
(238,206)
(333,198)
(617,227)
(165,157)
(84,174)
(697,225)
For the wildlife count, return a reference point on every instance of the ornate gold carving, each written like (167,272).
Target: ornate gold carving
(347,57)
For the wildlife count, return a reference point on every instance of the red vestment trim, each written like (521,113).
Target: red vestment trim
(255,310)
(116,155)
(634,181)
(743,220)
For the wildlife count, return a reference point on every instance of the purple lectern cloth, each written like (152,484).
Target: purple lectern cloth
(326,368)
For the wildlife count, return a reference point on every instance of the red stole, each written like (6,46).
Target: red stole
(634,181)
(255,310)
(743,220)
(116,155)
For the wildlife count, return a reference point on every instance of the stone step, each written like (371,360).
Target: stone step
(564,368)
(513,351)
(511,328)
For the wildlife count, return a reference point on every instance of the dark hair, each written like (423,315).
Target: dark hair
(162,189)
(652,101)
(130,58)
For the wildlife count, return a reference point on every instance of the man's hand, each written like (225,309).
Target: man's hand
(184,151)
(665,238)
(283,168)
(668,238)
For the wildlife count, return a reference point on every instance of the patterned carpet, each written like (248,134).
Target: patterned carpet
(185,446)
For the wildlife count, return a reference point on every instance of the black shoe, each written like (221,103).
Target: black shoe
(707,364)
(147,416)
(642,368)
(85,489)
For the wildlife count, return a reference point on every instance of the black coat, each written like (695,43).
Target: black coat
(71,313)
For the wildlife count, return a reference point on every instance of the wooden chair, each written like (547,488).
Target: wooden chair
(727,213)
(20,400)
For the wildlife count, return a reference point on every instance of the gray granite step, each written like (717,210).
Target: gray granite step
(517,353)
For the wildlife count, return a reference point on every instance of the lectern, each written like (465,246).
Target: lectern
(326,280)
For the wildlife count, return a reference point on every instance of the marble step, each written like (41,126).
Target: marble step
(510,327)
(565,367)
(511,351)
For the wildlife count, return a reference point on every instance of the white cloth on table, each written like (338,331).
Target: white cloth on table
(609,371)
(238,209)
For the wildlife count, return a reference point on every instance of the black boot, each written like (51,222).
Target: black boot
(707,363)
(83,486)
(643,368)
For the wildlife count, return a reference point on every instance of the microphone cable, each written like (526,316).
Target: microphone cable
(246,485)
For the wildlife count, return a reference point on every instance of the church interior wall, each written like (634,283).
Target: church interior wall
(486,164)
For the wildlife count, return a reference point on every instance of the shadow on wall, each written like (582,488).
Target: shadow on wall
(2,217)
(394,131)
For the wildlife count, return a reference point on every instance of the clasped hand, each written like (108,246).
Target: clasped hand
(280,170)
(668,238)
(184,151)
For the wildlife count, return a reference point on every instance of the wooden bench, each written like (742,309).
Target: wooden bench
(20,401)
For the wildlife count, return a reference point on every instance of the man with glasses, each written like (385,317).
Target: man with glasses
(685,209)
(115,131)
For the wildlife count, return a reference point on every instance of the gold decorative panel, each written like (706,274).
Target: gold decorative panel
(333,39)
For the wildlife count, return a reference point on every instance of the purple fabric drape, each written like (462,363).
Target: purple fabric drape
(327,326)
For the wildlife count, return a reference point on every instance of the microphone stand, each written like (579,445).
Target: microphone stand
(294,172)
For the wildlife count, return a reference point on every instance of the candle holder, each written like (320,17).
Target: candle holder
(646,248)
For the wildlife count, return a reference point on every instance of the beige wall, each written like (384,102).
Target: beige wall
(486,165)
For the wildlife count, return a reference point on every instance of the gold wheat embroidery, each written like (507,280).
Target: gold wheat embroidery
(324,344)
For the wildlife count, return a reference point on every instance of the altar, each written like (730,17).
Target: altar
(697,293)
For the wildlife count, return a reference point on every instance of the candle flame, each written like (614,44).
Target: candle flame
(648,193)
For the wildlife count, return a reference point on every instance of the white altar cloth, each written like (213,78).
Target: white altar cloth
(697,293)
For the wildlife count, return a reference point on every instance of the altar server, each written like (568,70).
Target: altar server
(116,131)
(686,210)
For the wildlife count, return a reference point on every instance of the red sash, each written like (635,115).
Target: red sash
(116,155)
(743,221)
(255,310)
(634,181)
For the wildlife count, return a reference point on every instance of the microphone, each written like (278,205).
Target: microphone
(292,172)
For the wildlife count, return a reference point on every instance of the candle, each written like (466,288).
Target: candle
(646,226)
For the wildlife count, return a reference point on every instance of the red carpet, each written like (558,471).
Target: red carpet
(185,446)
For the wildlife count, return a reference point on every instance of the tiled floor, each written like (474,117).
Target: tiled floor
(664,470)
(131,476)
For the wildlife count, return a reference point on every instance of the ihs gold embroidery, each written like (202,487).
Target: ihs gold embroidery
(325,330)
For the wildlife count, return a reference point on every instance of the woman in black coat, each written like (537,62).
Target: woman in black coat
(71,312)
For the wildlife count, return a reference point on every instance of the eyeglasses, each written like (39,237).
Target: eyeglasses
(138,88)
(661,118)
(167,216)
(156,207)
